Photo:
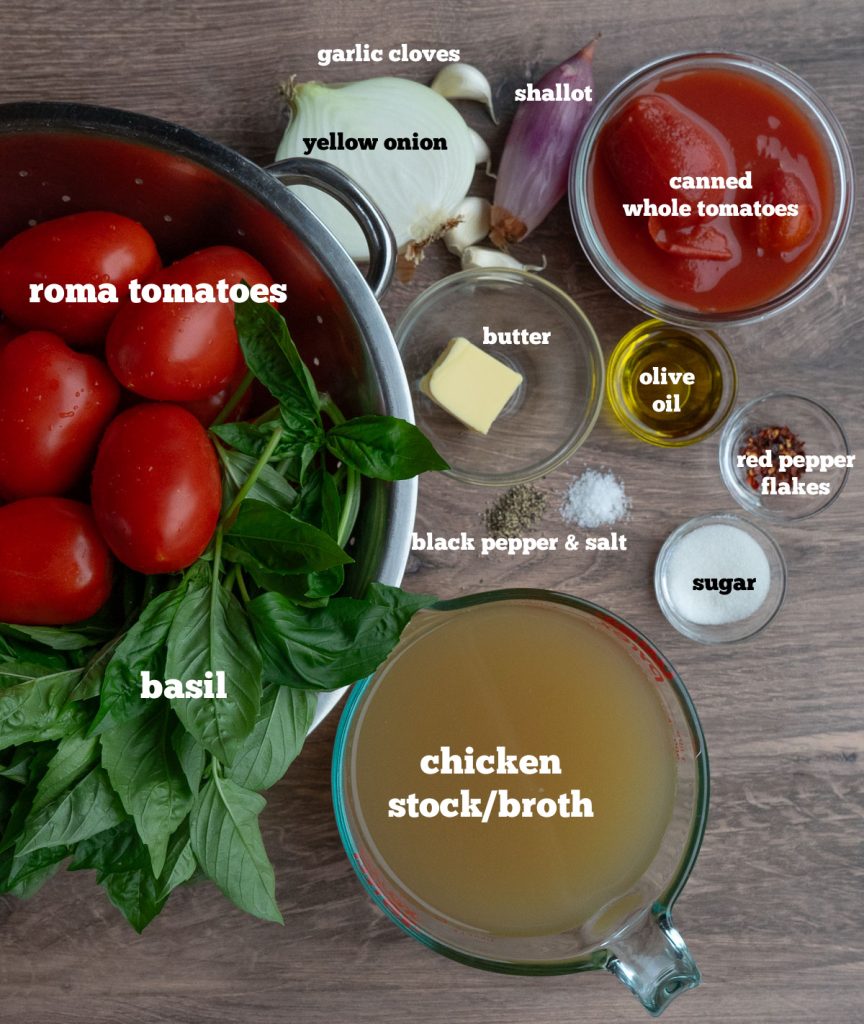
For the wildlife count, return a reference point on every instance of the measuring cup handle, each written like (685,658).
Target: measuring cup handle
(335,183)
(653,962)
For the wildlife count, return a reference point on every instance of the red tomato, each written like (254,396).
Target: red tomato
(205,410)
(181,352)
(54,406)
(7,333)
(779,235)
(654,139)
(84,248)
(156,488)
(54,567)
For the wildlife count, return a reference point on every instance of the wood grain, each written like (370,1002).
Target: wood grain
(774,909)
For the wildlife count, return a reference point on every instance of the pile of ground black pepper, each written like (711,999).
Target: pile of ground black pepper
(516,511)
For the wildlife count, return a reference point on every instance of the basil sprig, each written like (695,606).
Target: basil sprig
(152,794)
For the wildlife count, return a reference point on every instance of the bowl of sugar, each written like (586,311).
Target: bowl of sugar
(720,578)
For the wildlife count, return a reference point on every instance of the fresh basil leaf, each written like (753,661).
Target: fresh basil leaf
(401,605)
(27,874)
(383,447)
(269,487)
(180,863)
(297,446)
(319,502)
(35,703)
(90,807)
(211,632)
(136,894)
(15,814)
(226,839)
(18,651)
(59,639)
(114,851)
(325,648)
(263,537)
(140,649)
(74,755)
(312,589)
(8,794)
(94,671)
(146,774)
(273,357)
(283,722)
(192,757)
(18,767)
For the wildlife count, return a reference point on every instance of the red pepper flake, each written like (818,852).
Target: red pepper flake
(779,441)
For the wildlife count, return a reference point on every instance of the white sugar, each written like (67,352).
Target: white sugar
(716,552)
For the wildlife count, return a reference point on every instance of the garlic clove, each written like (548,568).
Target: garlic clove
(464,82)
(477,256)
(473,215)
(482,154)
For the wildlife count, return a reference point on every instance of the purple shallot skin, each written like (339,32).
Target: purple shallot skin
(532,176)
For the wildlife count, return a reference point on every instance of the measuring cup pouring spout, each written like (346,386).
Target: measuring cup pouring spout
(652,960)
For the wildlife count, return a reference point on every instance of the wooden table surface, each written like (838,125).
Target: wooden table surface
(774,911)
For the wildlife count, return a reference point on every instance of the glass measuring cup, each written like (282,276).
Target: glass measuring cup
(632,935)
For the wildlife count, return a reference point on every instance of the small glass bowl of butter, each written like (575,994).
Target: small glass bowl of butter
(506,374)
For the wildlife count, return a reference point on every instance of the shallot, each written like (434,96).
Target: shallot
(532,176)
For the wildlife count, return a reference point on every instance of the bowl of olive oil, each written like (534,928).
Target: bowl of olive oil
(671,386)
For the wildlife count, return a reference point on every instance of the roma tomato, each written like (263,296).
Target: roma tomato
(7,333)
(83,248)
(55,569)
(205,410)
(54,406)
(182,352)
(156,488)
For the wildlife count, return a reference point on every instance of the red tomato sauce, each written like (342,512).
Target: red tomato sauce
(760,129)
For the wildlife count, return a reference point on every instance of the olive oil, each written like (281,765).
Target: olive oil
(531,679)
(670,385)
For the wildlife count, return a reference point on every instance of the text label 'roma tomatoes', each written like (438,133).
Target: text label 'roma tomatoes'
(181,352)
(83,248)
(156,490)
(55,569)
(54,406)
(654,139)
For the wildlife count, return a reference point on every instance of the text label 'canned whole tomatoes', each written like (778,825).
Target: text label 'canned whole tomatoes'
(157,489)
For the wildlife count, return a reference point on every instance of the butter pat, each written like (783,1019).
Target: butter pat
(470,384)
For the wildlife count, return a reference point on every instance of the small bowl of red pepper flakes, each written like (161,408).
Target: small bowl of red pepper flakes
(784,456)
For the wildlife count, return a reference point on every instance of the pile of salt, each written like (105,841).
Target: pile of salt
(595,499)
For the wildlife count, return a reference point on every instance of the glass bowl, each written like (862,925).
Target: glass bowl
(558,402)
(726,632)
(818,115)
(809,421)
(626,359)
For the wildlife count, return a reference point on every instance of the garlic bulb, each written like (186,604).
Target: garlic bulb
(478,256)
(404,144)
(474,216)
(464,82)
